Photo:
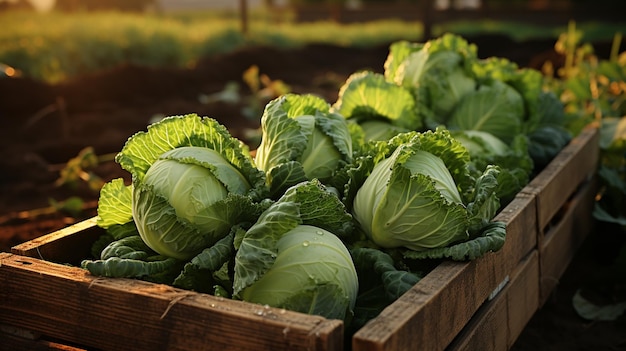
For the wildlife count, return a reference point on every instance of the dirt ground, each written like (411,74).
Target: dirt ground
(43,126)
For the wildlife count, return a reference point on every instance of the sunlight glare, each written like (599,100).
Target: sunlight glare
(43,5)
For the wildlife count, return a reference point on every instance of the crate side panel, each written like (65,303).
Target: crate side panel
(486,331)
(498,323)
(409,320)
(520,216)
(12,339)
(67,245)
(565,237)
(575,164)
(67,303)
(523,297)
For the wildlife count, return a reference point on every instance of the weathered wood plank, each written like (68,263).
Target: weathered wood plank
(67,245)
(67,303)
(563,238)
(575,164)
(12,339)
(499,322)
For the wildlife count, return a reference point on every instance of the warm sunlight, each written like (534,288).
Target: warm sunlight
(39,5)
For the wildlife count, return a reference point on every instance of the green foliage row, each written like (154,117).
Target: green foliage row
(55,46)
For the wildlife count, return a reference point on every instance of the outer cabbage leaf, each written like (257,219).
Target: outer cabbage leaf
(367,96)
(484,203)
(380,130)
(115,204)
(129,247)
(546,130)
(197,274)
(380,283)
(497,109)
(157,269)
(491,239)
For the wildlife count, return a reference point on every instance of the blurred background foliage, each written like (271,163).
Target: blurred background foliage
(82,36)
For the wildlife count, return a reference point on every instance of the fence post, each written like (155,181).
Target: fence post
(243,11)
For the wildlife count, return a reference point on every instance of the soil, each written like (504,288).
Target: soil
(42,126)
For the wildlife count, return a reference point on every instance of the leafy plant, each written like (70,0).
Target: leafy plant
(263,90)
(421,196)
(301,140)
(593,91)
(79,169)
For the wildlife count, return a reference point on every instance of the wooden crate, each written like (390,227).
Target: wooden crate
(564,192)
(449,308)
(499,322)
(458,305)
(67,303)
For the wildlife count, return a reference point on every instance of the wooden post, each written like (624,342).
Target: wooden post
(243,11)
(427,22)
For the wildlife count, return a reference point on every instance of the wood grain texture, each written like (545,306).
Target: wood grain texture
(67,303)
(572,167)
(67,245)
(564,237)
(499,322)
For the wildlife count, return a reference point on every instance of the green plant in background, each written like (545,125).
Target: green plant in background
(594,92)
(56,46)
(263,89)
(79,169)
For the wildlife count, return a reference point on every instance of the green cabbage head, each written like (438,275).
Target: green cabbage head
(422,195)
(301,140)
(191,183)
(313,273)
(293,257)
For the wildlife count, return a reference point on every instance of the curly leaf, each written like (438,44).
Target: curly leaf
(115,267)
(115,204)
(491,239)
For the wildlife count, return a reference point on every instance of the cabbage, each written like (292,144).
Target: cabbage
(293,258)
(422,196)
(301,140)
(313,273)
(192,182)
(438,73)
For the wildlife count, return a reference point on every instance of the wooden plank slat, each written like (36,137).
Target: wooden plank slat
(67,303)
(575,164)
(452,292)
(67,245)
(12,339)
(500,321)
(563,239)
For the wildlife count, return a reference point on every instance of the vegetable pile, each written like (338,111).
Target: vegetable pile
(343,207)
